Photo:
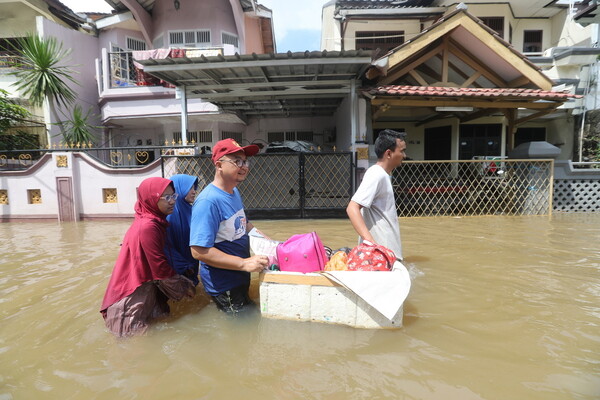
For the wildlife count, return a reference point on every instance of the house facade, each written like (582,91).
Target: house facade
(534,45)
(49,18)
(138,109)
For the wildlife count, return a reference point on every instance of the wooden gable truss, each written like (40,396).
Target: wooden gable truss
(459,52)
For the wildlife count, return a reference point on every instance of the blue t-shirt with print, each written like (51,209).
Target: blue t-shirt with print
(218,220)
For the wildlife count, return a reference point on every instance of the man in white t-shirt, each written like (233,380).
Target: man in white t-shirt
(372,209)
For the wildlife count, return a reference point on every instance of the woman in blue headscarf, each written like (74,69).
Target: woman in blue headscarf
(177,248)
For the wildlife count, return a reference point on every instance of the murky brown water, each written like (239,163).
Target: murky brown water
(500,308)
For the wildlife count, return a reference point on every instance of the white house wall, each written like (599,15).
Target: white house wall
(89,178)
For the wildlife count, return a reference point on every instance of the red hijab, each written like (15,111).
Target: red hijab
(142,257)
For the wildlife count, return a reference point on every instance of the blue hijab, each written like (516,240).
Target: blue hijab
(178,232)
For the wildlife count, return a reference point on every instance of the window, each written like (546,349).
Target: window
(122,71)
(194,136)
(135,44)
(197,38)
(532,41)
(228,38)
(479,140)
(237,136)
(524,135)
(290,135)
(495,23)
(384,40)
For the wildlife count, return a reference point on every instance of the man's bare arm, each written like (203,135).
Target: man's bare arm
(358,222)
(216,258)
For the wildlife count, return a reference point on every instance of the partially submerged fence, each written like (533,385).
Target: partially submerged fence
(308,185)
(474,187)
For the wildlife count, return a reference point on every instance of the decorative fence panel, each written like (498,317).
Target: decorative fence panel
(283,185)
(474,187)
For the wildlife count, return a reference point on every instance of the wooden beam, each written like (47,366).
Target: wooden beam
(479,114)
(418,101)
(435,117)
(533,116)
(420,60)
(511,128)
(518,82)
(380,111)
(471,79)
(418,77)
(445,55)
(472,62)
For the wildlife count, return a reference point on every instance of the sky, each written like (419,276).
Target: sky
(296,28)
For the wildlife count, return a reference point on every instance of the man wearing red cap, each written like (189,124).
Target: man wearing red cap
(219,230)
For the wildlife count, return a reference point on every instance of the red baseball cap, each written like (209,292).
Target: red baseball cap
(228,146)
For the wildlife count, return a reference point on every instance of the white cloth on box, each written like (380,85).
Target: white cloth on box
(385,291)
(376,196)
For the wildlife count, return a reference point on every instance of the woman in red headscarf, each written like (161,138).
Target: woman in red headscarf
(142,280)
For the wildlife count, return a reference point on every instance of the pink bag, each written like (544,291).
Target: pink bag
(302,253)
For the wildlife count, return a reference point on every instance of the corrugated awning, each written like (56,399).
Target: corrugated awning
(274,84)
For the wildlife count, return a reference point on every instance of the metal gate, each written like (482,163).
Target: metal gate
(283,185)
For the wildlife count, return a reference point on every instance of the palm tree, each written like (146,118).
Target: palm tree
(40,77)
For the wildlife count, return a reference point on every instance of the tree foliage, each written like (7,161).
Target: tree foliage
(11,114)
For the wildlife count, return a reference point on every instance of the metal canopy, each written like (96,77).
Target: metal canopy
(267,85)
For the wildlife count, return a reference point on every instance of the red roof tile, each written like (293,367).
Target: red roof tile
(432,91)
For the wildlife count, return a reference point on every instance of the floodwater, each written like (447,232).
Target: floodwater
(500,308)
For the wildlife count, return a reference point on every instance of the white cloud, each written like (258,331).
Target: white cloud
(293,14)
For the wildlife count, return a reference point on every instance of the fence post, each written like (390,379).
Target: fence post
(301,183)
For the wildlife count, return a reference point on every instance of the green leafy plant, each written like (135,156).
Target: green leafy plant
(11,113)
(77,128)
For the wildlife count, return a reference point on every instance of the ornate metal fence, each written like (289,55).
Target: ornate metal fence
(474,187)
(283,185)
(115,157)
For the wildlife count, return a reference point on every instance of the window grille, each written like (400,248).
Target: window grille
(228,38)
(204,137)
(203,36)
(122,70)
(495,23)
(524,135)
(384,40)
(304,135)
(175,38)
(532,41)
(290,135)
(237,136)
(194,136)
(196,38)
(276,136)
(135,44)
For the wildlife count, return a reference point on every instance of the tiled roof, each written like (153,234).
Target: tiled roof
(372,4)
(431,91)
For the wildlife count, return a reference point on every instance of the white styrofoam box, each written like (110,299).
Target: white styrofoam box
(313,297)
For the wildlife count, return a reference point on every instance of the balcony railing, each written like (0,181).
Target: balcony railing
(124,72)
(10,61)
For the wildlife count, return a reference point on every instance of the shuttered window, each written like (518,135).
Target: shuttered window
(495,23)
(195,38)
(532,41)
(135,44)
